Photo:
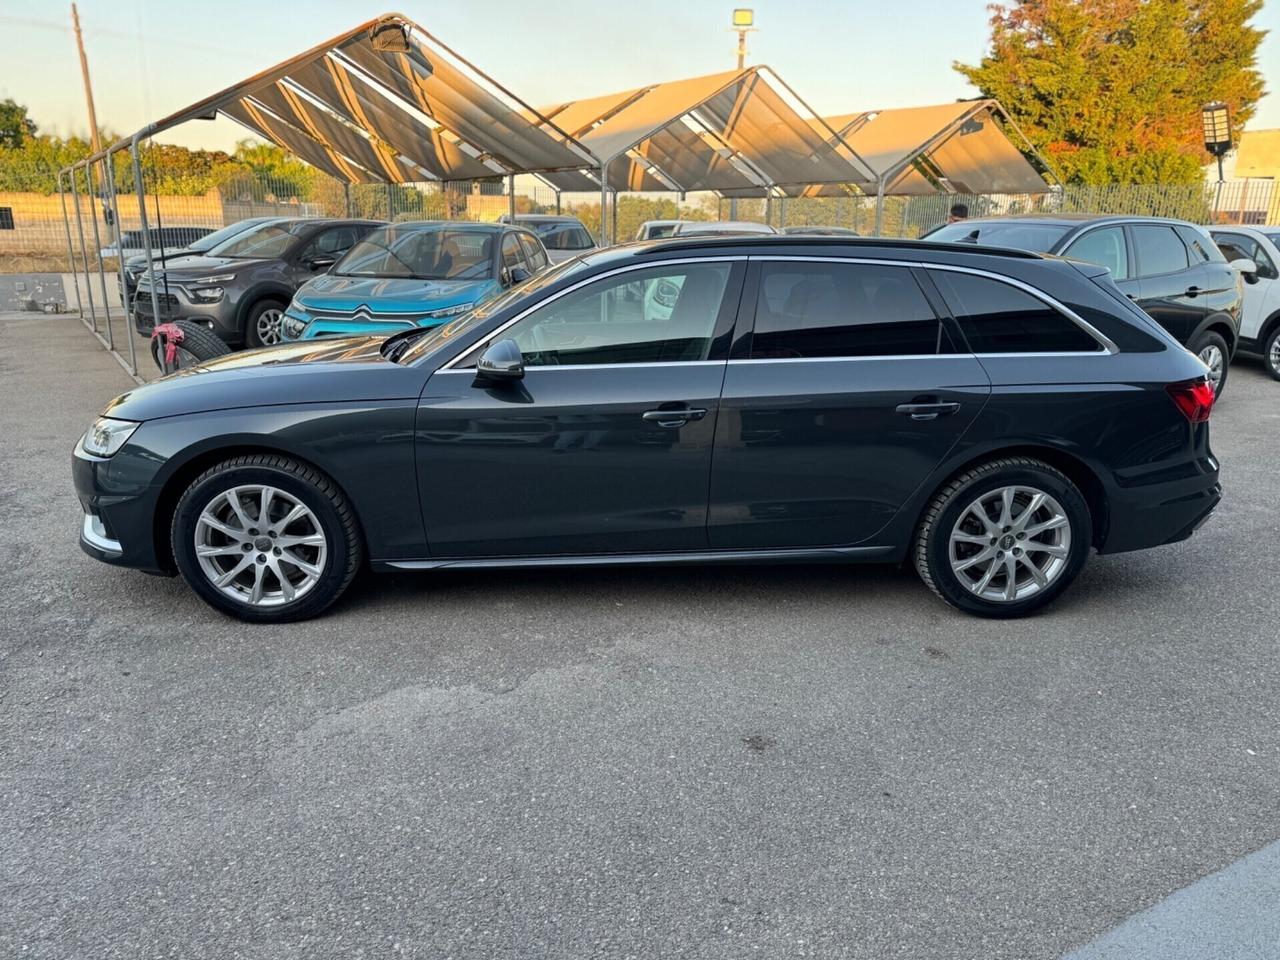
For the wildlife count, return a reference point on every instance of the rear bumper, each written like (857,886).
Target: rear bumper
(1166,511)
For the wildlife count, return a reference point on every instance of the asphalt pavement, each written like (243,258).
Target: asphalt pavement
(722,762)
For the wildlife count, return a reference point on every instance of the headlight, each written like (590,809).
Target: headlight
(448,311)
(220,278)
(206,294)
(106,436)
(293,326)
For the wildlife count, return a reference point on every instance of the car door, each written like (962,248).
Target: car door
(1170,288)
(1261,296)
(604,445)
(848,393)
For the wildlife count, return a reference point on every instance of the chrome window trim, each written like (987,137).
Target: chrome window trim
(603,366)
(1103,340)
(449,364)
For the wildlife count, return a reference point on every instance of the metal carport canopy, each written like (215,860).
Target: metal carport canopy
(724,131)
(414,111)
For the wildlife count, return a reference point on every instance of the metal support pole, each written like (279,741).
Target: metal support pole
(604,200)
(614,232)
(557,203)
(768,210)
(879,205)
(84,253)
(125,302)
(71,253)
(346,199)
(782,213)
(142,222)
(97,242)
(390,213)
(511,196)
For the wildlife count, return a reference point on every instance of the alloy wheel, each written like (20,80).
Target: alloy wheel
(268,326)
(260,545)
(1273,355)
(1212,358)
(1010,544)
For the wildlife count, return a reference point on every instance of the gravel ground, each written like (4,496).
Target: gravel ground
(734,762)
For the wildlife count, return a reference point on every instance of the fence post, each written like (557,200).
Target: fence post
(97,242)
(84,253)
(125,302)
(346,196)
(879,205)
(390,214)
(71,253)
(140,187)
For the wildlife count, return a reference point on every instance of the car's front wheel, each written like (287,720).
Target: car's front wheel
(1271,353)
(263,325)
(266,539)
(1005,538)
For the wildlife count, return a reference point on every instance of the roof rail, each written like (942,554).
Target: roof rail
(793,240)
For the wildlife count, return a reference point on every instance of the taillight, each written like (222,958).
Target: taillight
(1194,398)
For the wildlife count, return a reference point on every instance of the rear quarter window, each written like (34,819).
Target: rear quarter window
(997,317)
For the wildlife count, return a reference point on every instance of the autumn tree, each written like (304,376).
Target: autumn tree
(1110,90)
(15,125)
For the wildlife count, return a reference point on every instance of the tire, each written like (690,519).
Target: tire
(262,324)
(318,553)
(1271,353)
(950,512)
(1202,346)
(199,343)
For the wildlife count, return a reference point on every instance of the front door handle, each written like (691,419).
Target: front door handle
(674,418)
(1193,291)
(927,411)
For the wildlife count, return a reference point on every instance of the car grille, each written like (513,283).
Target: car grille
(366,316)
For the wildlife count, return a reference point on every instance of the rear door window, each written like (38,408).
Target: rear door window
(1104,246)
(1158,249)
(997,317)
(511,255)
(842,310)
(533,253)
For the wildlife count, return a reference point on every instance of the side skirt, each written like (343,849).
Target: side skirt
(803,555)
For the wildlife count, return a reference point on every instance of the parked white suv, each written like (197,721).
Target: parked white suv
(1260,319)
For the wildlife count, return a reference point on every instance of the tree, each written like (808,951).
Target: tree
(15,125)
(1110,90)
(275,170)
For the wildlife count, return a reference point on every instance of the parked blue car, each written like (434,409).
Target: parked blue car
(419,273)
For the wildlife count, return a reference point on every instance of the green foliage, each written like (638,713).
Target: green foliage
(635,210)
(1110,90)
(15,125)
(267,164)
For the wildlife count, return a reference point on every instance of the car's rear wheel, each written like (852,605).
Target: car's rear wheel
(1005,538)
(1271,353)
(1212,351)
(266,539)
(263,324)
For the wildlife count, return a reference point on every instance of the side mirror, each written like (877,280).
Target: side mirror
(321,263)
(518,275)
(501,361)
(1246,267)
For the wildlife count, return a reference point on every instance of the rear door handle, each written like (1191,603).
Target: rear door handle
(674,418)
(1193,291)
(927,411)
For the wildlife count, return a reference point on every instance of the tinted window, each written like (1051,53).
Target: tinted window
(1104,246)
(998,318)
(533,253)
(409,250)
(1037,237)
(265,240)
(645,316)
(841,310)
(558,235)
(1159,249)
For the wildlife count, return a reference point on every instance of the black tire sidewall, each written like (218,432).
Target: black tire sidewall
(938,546)
(194,500)
(1209,337)
(251,322)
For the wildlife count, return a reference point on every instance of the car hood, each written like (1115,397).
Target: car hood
(389,294)
(194,266)
(341,370)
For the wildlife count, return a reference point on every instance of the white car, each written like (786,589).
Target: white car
(657,229)
(698,228)
(1260,322)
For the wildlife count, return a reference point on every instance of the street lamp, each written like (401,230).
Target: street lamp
(1217,130)
(744,19)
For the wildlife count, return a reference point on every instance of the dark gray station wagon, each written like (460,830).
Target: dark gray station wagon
(989,416)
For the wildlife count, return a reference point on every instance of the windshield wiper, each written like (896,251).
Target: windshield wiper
(395,345)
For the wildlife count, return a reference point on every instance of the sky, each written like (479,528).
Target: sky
(151,57)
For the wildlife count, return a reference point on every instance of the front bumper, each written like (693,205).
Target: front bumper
(220,317)
(119,512)
(322,327)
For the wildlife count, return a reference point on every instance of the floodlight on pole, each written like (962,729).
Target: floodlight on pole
(1216,118)
(744,19)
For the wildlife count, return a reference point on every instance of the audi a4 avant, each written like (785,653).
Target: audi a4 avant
(989,416)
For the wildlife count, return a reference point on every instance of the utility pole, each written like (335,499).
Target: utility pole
(94,139)
(744,19)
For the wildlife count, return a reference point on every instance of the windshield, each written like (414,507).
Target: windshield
(1019,234)
(411,251)
(211,240)
(265,240)
(559,234)
(431,339)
